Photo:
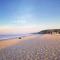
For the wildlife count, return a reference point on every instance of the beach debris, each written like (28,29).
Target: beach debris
(19,38)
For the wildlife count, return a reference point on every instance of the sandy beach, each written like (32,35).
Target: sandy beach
(34,47)
(9,42)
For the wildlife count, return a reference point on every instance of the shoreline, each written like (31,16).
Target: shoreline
(12,41)
(17,41)
(9,42)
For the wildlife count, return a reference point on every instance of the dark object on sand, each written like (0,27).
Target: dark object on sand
(19,37)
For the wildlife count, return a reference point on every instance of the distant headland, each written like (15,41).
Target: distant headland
(49,31)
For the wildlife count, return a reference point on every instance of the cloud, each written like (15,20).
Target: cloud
(26,28)
(23,20)
(19,29)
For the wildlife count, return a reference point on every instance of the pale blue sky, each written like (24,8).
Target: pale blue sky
(40,14)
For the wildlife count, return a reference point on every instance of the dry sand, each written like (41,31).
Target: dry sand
(35,47)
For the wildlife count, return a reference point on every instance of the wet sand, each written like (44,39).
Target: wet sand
(35,47)
(11,42)
(8,42)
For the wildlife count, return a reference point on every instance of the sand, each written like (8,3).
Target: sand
(35,47)
(9,42)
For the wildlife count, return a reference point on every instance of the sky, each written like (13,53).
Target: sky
(25,16)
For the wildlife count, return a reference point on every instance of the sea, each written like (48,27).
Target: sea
(11,36)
